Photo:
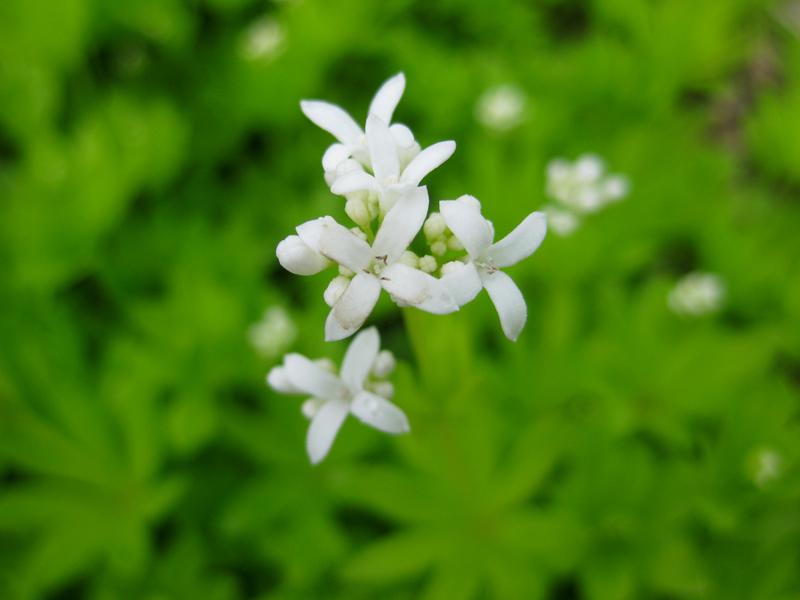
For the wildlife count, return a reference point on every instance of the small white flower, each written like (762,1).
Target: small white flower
(384,364)
(583,186)
(482,270)
(767,466)
(263,39)
(352,142)
(697,294)
(563,222)
(389,179)
(274,333)
(501,108)
(381,265)
(334,397)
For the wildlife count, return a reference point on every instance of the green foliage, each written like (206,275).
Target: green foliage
(149,164)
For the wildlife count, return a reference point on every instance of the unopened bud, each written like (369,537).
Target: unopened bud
(434,226)
(297,257)
(384,364)
(409,259)
(438,248)
(427,264)
(356,209)
(335,289)
(383,388)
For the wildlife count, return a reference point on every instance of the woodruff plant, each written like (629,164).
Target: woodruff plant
(378,170)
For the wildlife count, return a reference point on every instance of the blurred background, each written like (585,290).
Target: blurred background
(640,440)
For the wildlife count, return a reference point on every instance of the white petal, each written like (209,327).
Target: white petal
(353,308)
(332,119)
(379,413)
(278,380)
(521,242)
(324,427)
(464,219)
(426,161)
(299,258)
(354,181)
(508,301)
(462,281)
(312,379)
(336,242)
(334,156)
(403,136)
(359,358)
(386,98)
(382,149)
(401,224)
(415,288)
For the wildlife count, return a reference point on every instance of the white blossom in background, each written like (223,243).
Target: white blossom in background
(274,333)
(697,294)
(578,189)
(764,466)
(501,107)
(486,258)
(263,39)
(357,390)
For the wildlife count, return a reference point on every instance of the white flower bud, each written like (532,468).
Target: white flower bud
(345,272)
(561,221)
(356,209)
(383,388)
(384,364)
(439,248)
(335,289)
(451,267)
(311,407)
(427,264)
(298,258)
(435,226)
(501,108)
(589,168)
(455,244)
(326,364)
(409,259)
(273,333)
(615,187)
(278,380)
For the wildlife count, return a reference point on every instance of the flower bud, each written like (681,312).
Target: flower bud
(455,244)
(434,226)
(427,264)
(356,209)
(438,248)
(311,407)
(384,364)
(335,289)
(409,259)
(383,388)
(297,257)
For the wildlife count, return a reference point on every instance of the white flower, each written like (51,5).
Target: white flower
(563,222)
(378,266)
(334,397)
(389,179)
(697,294)
(583,186)
(274,333)
(482,270)
(263,39)
(501,107)
(352,142)
(767,466)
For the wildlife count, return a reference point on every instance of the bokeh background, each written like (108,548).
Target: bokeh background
(152,154)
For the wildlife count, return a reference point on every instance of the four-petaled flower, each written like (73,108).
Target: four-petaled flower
(334,397)
(485,259)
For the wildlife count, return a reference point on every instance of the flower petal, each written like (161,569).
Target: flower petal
(382,149)
(336,242)
(401,224)
(403,136)
(462,281)
(332,119)
(354,181)
(508,301)
(359,358)
(323,429)
(379,413)
(463,217)
(278,380)
(418,289)
(353,308)
(521,242)
(299,258)
(335,155)
(386,98)
(311,378)
(426,161)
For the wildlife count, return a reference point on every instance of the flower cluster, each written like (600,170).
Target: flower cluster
(697,294)
(378,170)
(578,189)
